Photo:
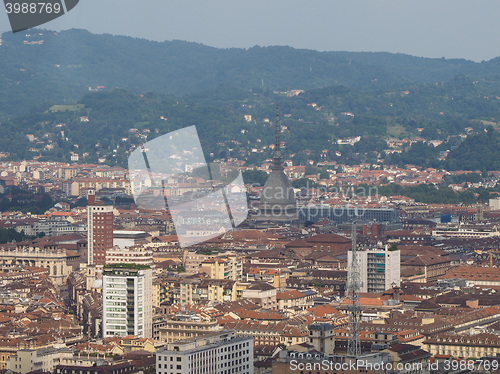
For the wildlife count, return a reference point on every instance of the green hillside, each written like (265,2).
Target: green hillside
(67,63)
(100,96)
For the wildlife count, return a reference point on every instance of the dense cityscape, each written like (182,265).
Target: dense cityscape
(254,217)
(97,284)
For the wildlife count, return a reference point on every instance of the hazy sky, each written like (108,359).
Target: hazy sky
(430,28)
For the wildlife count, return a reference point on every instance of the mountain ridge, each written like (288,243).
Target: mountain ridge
(69,62)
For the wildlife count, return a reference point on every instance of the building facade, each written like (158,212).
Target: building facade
(229,267)
(380,268)
(127,305)
(100,230)
(186,326)
(216,353)
(322,337)
(139,255)
(346,214)
(54,259)
(262,294)
(464,346)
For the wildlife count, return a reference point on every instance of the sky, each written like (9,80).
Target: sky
(428,28)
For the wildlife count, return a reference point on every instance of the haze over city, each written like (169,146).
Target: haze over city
(249,207)
(448,28)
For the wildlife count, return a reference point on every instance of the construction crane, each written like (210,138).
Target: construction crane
(496,251)
(353,288)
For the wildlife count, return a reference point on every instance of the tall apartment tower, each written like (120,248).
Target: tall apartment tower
(99,229)
(127,300)
(380,268)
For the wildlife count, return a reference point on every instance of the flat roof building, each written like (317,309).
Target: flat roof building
(127,306)
(214,353)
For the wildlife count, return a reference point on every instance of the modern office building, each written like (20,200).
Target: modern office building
(45,360)
(380,268)
(347,214)
(215,353)
(100,229)
(127,300)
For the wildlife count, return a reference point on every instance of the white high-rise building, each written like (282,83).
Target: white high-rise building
(138,254)
(214,353)
(379,268)
(127,300)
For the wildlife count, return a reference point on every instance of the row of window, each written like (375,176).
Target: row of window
(241,369)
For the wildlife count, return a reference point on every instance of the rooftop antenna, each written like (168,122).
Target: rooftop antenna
(353,287)
(277,145)
(277,157)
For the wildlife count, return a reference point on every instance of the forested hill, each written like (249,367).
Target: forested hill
(45,67)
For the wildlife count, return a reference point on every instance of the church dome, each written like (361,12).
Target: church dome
(277,190)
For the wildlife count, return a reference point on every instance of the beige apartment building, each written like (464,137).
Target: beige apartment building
(46,359)
(174,330)
(193,261)
(464,346)
(262,294)
(192,291)
(73,187)
(138,254)
(229,267)
(275,277)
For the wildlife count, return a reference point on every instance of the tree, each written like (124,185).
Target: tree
(255,176)
(304,183)
(324,174)
(311,170)
(393,247)
(81,202)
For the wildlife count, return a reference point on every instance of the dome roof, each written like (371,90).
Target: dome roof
(277,190)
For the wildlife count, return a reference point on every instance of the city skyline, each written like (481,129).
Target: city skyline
(356,230)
